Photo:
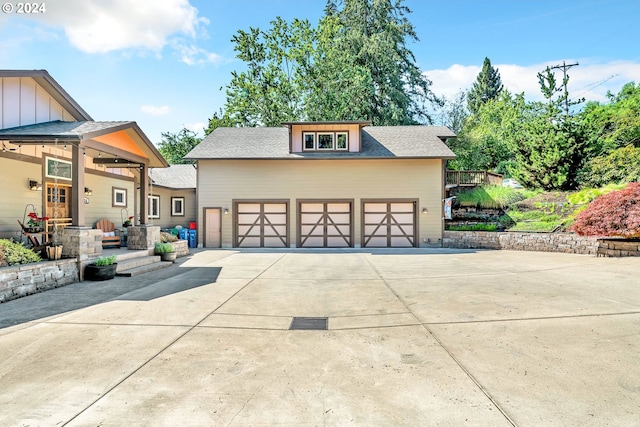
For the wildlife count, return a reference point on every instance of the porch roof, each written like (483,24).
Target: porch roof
(123,139)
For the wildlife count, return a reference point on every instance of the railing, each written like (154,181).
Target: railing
(51,225)
(472,178)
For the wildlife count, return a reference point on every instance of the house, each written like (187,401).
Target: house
(172,196)
(321,184)
(57,161)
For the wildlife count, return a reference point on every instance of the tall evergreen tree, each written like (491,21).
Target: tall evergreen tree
(487,86)
(363,68)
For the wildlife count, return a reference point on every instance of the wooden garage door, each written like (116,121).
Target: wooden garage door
(262,224)
(389,224)
(325,224)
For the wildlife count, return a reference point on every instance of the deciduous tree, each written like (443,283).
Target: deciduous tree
(174,146)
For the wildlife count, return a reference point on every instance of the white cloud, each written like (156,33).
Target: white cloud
(588,80)
(154,110)
(195,127)
(102,26)
(193,55)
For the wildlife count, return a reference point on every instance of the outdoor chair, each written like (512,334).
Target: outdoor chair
(110,236)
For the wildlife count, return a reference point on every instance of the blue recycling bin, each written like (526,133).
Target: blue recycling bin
(192,239)
(183,234)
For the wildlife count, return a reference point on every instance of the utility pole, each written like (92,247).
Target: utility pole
(564,67)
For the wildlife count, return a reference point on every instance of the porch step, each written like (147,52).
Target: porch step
(141,269)
(129,263)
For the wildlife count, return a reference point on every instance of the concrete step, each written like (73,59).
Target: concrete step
(141,269)
(127,264)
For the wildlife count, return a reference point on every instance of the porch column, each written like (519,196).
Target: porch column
(77,186)
(144,194)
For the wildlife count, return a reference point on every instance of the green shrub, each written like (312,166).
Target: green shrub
(105,260)
(491,197)
(14,253)
(163,248)
(621,165)
(588,195)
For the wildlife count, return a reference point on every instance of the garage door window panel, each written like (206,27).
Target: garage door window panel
(325,224)
(390,224)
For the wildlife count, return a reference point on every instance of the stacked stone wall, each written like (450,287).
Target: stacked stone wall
(25,279)
(142,237)
(618,247)
(542,242)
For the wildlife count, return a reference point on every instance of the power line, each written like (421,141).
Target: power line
(564,67)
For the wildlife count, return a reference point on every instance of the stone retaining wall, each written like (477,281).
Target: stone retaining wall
(181,247)
(25,279)
(618,247)
(542,242)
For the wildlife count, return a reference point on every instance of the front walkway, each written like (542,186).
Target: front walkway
(417,337)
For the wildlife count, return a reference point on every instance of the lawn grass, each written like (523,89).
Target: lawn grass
(491,197)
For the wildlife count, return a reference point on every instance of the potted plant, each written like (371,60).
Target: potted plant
(166,252)
(127,222)
(103,268)
(35,224)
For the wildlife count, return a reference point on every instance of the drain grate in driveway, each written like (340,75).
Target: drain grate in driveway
(309,324)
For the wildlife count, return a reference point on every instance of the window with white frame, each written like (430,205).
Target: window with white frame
(154,206)
(177,206)
(325,141)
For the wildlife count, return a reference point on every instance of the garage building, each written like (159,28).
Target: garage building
(321,184)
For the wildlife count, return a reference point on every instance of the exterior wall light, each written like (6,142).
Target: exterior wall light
(424,210)
(35,185)
(88,191)
(226,211)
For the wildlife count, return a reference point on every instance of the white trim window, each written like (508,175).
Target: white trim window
(309,141)
(342,141)
(119,197)
(154,207)
(56,168)
(325,141)
(177,206)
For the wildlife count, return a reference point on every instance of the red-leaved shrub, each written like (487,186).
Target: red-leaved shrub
(613,214)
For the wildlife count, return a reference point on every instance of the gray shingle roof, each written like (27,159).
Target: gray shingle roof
(273,143)
(62,130)
(175,176)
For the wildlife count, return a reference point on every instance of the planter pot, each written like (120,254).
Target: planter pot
(169,256)
(34,229)
(100,272)
(54,252)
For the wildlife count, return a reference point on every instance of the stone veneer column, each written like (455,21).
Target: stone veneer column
(142,236)
(80,242)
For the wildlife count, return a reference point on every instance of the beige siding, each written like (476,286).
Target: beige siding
(16,195)
(167,220)
(221,181)
(24,102)
(101,201)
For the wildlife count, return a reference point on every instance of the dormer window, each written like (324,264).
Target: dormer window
(325,141)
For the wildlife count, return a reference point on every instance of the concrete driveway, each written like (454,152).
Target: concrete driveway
(417,337)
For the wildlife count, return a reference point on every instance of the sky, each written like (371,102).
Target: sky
(164,63)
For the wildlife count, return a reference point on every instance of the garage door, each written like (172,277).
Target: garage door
(389,224)
(325,224)
(262,224)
